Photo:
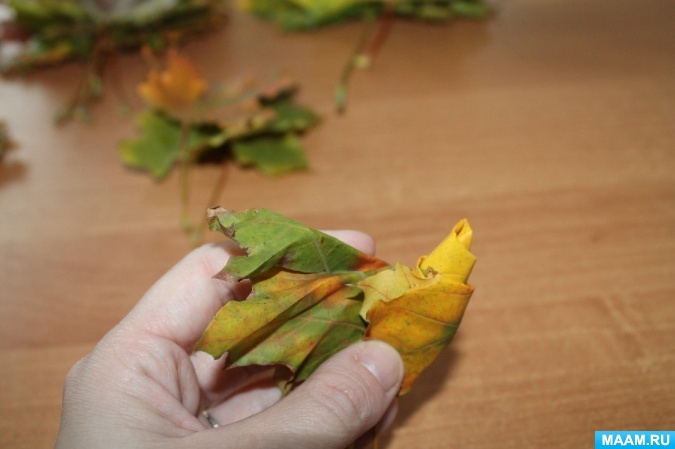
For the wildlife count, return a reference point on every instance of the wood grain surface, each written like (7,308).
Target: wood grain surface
(550,126)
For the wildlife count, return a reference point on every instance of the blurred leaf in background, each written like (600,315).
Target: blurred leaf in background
(189,121)
(48,32)
(256,122)
(307,14)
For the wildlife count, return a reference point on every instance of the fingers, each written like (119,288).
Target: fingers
(344,398)
(182,303)
(248,401)
(359,240)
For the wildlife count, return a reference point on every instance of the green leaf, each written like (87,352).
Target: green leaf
(272,240)
(307,14)
(157,149)
(291,117)
(272,155)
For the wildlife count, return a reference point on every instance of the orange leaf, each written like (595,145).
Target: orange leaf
(176,88)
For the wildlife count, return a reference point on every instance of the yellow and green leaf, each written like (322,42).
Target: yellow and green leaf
(418,311)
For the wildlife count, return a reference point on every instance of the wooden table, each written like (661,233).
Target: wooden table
(551,127)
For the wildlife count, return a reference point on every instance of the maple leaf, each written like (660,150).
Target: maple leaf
(176,88)
(312,295)
(158,148)
(271,155)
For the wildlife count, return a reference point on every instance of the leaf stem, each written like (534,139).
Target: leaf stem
(91,87)
(198,234)
(381,34)
(184,152)
(352,63)
(364,54)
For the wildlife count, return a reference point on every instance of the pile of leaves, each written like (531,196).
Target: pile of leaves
(6,143)
(313,295)
(190,121)
(55,31)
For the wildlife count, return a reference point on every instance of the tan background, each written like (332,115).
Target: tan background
(551,127)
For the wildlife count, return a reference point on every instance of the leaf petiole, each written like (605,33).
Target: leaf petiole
(198,234)
(365,52)
(184,160)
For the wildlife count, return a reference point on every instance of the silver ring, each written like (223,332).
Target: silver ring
(210,419)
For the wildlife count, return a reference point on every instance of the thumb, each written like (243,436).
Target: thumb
(344,398)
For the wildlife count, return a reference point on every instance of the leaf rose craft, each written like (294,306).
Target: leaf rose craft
(313,295)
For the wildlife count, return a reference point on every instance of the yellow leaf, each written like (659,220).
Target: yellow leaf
(452,257)
(418,311)
(177,87)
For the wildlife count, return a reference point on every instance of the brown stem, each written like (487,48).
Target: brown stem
(116,82)
(184,152)
(90,89)
(381,34)
(198,234)
(365,53)
(341,89)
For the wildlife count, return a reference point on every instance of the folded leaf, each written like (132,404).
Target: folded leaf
(418,311)
(286,318)
(452,257)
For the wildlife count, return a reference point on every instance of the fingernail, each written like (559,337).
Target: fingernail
(383,362)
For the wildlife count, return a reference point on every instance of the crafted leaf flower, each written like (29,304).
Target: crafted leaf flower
(314,295)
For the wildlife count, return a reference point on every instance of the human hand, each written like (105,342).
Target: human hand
(143,387)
